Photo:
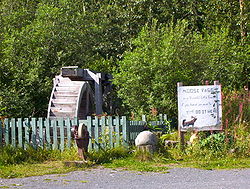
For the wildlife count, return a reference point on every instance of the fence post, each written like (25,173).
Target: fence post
(125,130)
(144,118)
(20,132)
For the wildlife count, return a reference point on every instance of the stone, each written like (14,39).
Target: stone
(146,138)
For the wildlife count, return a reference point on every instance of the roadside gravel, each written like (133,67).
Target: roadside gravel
(177,178)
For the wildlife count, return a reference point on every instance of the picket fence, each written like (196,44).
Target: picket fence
(105,131)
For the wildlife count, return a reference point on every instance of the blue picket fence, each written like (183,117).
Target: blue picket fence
(105,131)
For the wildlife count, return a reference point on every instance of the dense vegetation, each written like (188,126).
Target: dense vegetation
(148,45)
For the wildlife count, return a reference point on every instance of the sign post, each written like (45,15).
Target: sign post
(199,108)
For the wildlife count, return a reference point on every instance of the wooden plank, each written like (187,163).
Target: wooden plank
(98,94)
(96,129)
(13,131)
(89,127)
(103,129)
(40,134)
(33,132)
(117,131)
(20,132)
(47,133)
(55,142)
(125,131)
(110,126)
(6,131)
(61,125)
(68,126)
(26,124)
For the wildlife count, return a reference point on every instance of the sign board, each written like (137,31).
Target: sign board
(199,107)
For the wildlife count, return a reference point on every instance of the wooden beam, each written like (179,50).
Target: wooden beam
(98,94)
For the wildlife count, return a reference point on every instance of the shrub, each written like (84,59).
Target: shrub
(11,155)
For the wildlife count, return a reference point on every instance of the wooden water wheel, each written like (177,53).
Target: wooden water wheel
(72,95)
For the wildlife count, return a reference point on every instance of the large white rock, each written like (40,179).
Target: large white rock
(146,138)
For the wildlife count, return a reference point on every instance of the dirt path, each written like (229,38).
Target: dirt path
(177,178)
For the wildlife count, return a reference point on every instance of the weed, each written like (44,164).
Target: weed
(107,155)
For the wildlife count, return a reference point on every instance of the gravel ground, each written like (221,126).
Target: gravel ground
(177,178)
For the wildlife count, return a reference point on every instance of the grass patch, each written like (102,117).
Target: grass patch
(223,163)
(120,158)
(132,164)
(26,170)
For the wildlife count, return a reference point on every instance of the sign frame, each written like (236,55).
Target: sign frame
(199,107)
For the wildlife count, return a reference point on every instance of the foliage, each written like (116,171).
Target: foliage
(38,37)
(213,142)
(169,54)
(11,155)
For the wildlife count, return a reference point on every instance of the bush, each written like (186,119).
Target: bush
(11,155)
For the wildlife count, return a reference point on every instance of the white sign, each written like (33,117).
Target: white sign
(199,107)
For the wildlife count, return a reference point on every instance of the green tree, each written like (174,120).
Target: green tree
(166,55)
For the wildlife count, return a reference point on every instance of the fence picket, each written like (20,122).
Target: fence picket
(55,143)
(47,133)
(68,126)
(20,132)
(89,126)
(117,131)
(103,129)
(6,131)
(61,125)
(40,124)
(125,130)
(110,128)
(33,132)
(26,124)
(13,131)
(51,133)
(96,129)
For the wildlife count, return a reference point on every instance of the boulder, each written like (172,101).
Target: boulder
(146,138)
